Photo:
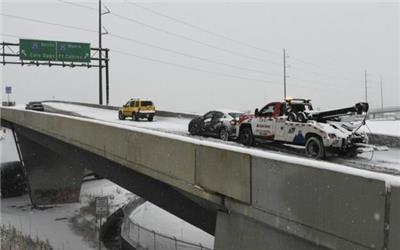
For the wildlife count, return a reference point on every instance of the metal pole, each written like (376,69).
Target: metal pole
(107,79)
(99,232)
(4,59)
(365,83)
(284,74)
(381,92)
(100,61)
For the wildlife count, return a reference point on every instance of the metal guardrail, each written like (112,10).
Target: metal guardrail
(143,238)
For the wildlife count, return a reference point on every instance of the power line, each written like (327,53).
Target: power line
(180,35)
(79,5)
(89,30)
(324,74)
(144,43)
(189,67)
(192,56)
(176,65)
(215,33)
(192,40)
(201,29)
(49,23)
(211,33)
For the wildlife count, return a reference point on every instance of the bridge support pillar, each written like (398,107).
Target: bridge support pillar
(238,232)
(52,179)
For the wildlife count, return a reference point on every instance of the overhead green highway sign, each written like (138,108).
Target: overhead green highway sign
(42,50)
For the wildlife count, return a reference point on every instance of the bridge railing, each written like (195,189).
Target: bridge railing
(142,238)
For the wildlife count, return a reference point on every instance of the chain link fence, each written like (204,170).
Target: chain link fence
(145,239)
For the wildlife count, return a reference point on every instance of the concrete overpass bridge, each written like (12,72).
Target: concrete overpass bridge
(375,113)
(247,198)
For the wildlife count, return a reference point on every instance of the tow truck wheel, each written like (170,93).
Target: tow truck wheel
(315,148)
(224,134)
(150,118)
(246,136)
(121,116)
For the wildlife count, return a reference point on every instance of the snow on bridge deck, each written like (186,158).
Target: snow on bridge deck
(176,128)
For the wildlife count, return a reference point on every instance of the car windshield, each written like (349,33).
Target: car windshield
(235,115)
(147,103)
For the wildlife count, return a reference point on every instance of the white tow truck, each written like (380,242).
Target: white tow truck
(295,122)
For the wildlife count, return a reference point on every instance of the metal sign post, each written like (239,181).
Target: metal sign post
(55,53)
(101,210)
(8,92)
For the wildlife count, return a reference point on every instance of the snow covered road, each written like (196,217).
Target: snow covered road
(381,161)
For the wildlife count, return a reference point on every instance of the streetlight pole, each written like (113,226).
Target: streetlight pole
(284,74)
(381,91)
(366,87)
(100,60)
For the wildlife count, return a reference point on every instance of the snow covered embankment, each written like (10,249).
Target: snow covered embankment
(385,133)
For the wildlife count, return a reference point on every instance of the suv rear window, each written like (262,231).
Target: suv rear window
(146,103)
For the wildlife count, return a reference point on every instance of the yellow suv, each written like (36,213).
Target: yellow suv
(137,108)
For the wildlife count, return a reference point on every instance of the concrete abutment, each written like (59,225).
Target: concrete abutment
(52,178)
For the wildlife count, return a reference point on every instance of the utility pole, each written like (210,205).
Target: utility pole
(100,59)
(365,83)
(381,92)
(284,74)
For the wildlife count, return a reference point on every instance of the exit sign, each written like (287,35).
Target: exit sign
(43,50)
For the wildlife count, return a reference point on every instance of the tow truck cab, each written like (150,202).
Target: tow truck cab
(291,108)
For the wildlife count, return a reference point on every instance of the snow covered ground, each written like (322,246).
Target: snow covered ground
(388,127)
(156,219)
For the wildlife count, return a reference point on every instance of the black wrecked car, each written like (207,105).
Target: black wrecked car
(38,106)
(216,123)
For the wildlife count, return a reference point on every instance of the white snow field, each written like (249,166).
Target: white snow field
(160,221)
(384,127)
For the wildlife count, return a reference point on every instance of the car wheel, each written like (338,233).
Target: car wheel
(150,118)
(292,117)
(121,115)
(302,117)
(315,148)
(193,129)
(224,134)
(135,116)
(246,136)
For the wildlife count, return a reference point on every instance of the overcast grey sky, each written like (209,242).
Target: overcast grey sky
(329,46)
